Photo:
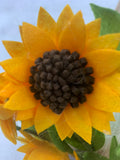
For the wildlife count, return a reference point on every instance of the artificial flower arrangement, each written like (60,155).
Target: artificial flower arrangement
(62,83)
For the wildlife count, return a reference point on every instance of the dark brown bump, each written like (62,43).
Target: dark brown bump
(61,78)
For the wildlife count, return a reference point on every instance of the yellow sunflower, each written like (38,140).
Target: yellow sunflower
(40,149)
(63,74)
(7,119)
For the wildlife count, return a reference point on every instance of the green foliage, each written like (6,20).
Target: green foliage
(93,156)
(110,19)
(62,145)
(98,140)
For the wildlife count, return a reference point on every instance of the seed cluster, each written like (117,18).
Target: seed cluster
(61,78)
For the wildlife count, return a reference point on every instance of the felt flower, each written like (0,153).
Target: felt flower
(63,74)
(7,120)
(40,149)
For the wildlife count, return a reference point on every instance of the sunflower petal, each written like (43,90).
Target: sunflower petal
(21,100)
(17,68)
(109,41)
(25,114)
(78,119)
(73,36)
(36,40)
(62,128)
(103,98)
(104,61)
(100,120)
(8,90)
(76,156)
(9,129)
(3,80)
(5,113)
(15,49)
(27,123)
(20,29)
(42,120)
(113,81)
(64,19)
(93,30)
(27,148)
(46,22)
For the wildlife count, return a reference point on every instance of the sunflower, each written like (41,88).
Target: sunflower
(63,74)
(7,120)
(41,149)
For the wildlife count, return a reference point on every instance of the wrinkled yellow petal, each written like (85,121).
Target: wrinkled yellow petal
(42,119)
(78,119)
(46,22)
(5,113)
(62,128)
(21,100)
(73,36)
(64,19)
(104,61)
(26,157)
(27,148)
(113,81)
(9,129)
(109,41)
(100,120)
(17,68)
(25,114)
(104,98)
(27,123)
(15,49)
(43,153)
(37,41)
(93,30)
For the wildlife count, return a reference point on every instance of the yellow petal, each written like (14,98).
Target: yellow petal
(64,19)
(25,114)
(27,148)
(3,80)
(8,90)
(27,123)
(21,100)
(42,119)
(37,41)
(76,156)
(5,113)
(15,49)
(73,36)
(104,61)
(47,153)
(17,68)
(62,128)
(46,22)
(109,41)
(20,29)
(104,98)
(113,81)
(26,157)
(78,119)
(9,129)
(100,120)
(93,30)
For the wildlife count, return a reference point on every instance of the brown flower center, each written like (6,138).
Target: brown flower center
(61,78)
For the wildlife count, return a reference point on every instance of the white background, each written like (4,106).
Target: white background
(12,14)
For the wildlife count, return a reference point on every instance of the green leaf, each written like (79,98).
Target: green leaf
(78,143)
(62,145)
(93,156)
(110,19)
(113,147)
(118,151)
(98,139)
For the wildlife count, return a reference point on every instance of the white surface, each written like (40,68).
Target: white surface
(12,14)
